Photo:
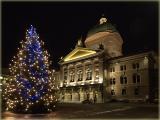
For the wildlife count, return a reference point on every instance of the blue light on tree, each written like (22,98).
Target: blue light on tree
(31,81)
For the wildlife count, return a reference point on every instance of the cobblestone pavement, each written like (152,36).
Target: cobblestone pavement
(94,111)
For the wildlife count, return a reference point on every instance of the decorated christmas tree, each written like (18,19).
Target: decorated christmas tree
(30,88)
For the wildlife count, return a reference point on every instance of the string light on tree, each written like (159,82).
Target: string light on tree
(30,86)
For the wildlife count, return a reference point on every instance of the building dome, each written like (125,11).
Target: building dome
(106,34)
(101,28)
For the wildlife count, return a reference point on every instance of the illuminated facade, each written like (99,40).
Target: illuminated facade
(98,71)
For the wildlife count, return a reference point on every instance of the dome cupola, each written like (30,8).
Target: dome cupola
(106,34)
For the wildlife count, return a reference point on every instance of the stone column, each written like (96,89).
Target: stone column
(68,75)
(72,93)
(84,72)
(93,71)
(99,97)
(101,71)
(75,97)
(90,93)
(69,97)
(75,74)
(81,94)
(65,97)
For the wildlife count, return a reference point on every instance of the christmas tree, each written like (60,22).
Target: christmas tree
(30,88)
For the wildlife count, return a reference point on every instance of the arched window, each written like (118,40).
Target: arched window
(89,74)
(80,75)
(72,76)
(97,74)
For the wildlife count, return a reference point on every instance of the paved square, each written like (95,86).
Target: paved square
(95,111)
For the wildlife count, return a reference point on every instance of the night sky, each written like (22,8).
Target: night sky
(61,24)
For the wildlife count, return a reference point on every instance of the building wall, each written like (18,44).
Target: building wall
(110,73)
(143,85)
(77,89)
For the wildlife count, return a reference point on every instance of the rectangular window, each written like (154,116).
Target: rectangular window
(135,65)
(121,80)
(125,80)
(136,78)
(114,82)
(111,81)
(89,75)
(124,91)
(112,92)
(65,75)
(97,74)
(72,74)
(122,67)
(113,69)
(136,91)
(80,74)
(89,72)
(72,78)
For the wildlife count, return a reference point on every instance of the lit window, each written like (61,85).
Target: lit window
(80,75)
(65,74)
(88,72)
(97,74)
(72,76)
(89,75)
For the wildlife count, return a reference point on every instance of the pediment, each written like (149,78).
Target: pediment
(79,52)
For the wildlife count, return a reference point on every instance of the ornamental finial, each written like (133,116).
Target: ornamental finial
(102,20)
(79,43)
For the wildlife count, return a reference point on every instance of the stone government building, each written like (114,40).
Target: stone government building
(97,70)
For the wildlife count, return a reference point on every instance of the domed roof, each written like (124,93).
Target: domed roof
(103,25)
